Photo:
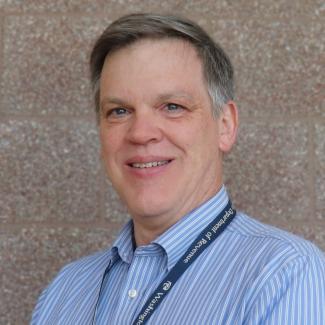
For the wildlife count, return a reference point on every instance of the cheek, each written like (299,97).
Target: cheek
(107,146)
(109,138)
(104,145)
(196,135)
(204,143)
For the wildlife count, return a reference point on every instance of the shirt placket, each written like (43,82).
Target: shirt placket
(143,271)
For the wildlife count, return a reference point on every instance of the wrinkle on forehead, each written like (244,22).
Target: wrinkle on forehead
(150,68)
(182,44)
(175,51)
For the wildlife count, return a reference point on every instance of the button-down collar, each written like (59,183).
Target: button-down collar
(177,238)
(180,236)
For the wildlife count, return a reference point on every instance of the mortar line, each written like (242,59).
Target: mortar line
(60,224)
(48,117)
(312,167)
(2,47)
(101,193)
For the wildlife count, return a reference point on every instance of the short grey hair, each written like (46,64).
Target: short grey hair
(217,68)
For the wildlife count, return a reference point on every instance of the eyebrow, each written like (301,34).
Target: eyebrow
(112,100)
(181,94)
(161,97)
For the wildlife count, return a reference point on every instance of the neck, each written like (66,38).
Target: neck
(148,228)
(144,234)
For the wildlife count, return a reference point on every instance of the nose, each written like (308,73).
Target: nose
(145,127)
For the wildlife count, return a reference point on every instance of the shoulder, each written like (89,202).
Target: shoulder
(272,240)
(277,257)
(285,272)
(70,282)
(267,252)
(83,268)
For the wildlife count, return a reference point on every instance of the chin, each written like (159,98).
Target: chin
(148,210)
(146,202)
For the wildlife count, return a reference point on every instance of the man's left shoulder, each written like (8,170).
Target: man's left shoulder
(275,240)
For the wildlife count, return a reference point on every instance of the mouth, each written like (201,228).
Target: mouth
(150,164)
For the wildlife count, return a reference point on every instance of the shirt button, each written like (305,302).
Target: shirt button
(132,293)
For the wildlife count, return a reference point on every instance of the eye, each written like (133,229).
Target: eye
(117,112)
(174,108)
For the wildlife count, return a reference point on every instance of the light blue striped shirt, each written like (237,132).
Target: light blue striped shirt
(251,274)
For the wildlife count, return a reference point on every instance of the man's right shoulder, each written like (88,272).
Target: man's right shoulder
(96,262)
(70,283)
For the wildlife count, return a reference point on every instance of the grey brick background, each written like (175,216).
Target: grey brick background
(55,202)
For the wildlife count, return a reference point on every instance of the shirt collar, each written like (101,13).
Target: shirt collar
(177,238)
(123,245)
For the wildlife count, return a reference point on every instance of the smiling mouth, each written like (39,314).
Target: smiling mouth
(150,164)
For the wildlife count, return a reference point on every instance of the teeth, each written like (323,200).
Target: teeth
(150,164)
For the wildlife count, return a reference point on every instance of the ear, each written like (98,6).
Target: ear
(228,126)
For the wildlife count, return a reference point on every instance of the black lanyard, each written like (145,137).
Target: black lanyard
(206,237)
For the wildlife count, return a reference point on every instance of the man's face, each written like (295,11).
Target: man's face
(159,139)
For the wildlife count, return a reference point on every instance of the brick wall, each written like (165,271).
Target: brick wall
(55,203)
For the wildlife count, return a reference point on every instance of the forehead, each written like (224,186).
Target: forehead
(158,64)
(174,47)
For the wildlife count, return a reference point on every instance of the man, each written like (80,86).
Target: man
(164,99)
